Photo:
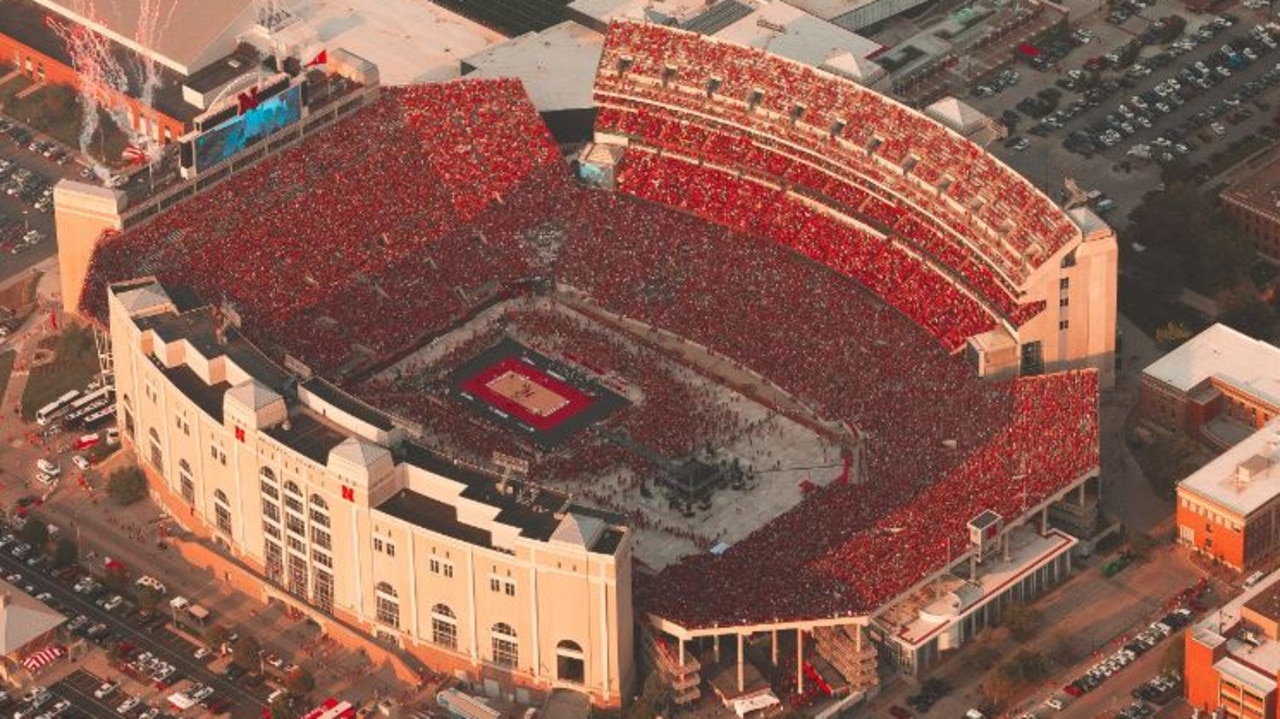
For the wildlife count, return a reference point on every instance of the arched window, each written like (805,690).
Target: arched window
(157,454)
(319,510)
(267,480)
(292,488)
(222,511)
(570,662)
(388,607)
(444,627)
(293,497)
(506,652)
(186,482)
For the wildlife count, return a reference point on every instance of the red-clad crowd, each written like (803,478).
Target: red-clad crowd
(370,236)
(880,263)
(735,91)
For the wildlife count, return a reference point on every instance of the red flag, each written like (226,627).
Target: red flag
(321,59)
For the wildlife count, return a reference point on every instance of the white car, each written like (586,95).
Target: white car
(48,467)
(115,601)
(105,690)
(80,462)
(127,705)
(203,653)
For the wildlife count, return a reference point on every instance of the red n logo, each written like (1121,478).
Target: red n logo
(348,493)
(240,433)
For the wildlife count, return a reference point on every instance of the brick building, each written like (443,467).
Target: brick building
(1232,661)
(1254,203)
(1217,388)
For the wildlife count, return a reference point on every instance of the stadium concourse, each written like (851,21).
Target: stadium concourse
(838,281)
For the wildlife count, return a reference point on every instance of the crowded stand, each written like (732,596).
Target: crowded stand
(930,299)
(705,80)
(394,226)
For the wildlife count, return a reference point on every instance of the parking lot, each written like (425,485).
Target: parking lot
(26,204)
(128,632)
(1111,100)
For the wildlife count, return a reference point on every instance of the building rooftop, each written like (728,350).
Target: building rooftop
(557,66)
(1259,190)
(435,515)
(308,435)
(28,22)
(208,397)
(1227,356)
(789,32)
(1266,602)
(345,402)
(1245,477)
(1222,628)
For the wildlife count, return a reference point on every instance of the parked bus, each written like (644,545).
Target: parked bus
(56,408)
(97,419)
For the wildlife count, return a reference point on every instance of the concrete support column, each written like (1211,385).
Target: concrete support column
(741,641)
(773,648)
(680,641)
(799,661)
(716,639)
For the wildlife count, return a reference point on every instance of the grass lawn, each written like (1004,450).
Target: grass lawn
(75,365)
(6,368)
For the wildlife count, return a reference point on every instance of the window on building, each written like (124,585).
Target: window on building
(319,510)
(319,557)
(1063,325)
(441,567)
(444,627)
(157,454)
(506,652)
(295,525)
(388,605)
(222,511)
(322,591)
(320,538)
(186,483)
(275,561)
(271,510)
(297,575)
(570,662)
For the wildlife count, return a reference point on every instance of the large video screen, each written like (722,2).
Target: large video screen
(234,135)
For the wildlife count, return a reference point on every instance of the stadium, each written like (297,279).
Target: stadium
(825,370)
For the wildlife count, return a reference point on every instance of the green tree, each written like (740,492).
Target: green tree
(1023,621)
(247,653)
(65,552)
(299,682)
(651,701)
(126,486)
(1172,335)
(1166,461)
(1241,308)
(1025,667)
(116,577)
(148,598)
(35,532)
(1140,544)
(1174,653)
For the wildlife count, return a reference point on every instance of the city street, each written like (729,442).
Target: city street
(162,643)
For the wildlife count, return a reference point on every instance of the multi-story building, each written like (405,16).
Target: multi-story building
(1232,661)
(1254,203)
(342,517)
(1222,388)
(1218,388)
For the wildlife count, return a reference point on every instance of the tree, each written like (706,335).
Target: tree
(651,700)
(148,598)
(215,635)
(1174,654)
(247,653)
(59,101)
(116,577)
(282,707)
(1172,335)
(1241,308)
(35,532)
(1025,667)
(126,486)
(65,553)
(1140,544)
(1023,621)
(299,683)
(1166,460)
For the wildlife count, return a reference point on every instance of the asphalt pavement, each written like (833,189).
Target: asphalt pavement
(162,643)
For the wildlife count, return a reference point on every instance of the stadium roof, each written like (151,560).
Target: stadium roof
(409,41)
(1245,477)
(659,11)
(830,9)
(1221,353)
(557,65)
(789,32)
(957,115)
(189,33)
